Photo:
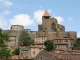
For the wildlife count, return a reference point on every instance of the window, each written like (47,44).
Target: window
(33,52)
(53,26)
(60,29)
(24,51)
(39,48)
(66,41)
(41,58)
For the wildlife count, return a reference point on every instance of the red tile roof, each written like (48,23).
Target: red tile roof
(17,57)
(62,49)
(46,13)
(61,56)
(62,39)
(62,43)
(35,47)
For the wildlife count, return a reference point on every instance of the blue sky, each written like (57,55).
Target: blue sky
(29,12)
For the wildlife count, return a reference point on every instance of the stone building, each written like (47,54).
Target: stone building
(49,28)
(17,27)
(50,24)
(52,29)
(30,51)
(64,55)
(63,42)
(39,40)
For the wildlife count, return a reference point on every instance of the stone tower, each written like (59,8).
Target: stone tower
(52,29)
(50,24)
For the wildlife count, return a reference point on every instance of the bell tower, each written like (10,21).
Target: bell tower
(46,15)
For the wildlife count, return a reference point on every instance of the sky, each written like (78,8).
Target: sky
(29,13)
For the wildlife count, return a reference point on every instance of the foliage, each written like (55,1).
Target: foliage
(48,45)
(3,39)
(24,38)
(25,58)
(4,52)
(16,51)
(76,45)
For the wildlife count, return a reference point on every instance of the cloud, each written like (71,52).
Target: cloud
(59,19)
(38,15)
(6,3)
(5,13)
(78,35)
(3,22)
(22,19)
(70,19)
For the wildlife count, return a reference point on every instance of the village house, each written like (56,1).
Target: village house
(30,51)
(39,40)
(63,42)
(63,55)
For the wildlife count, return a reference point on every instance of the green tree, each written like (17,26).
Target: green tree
(48,45)
(4,52)
(16,51)
(25,39)
(76,45)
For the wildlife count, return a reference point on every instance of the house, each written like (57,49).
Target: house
(30,51)
(63,42)
(39,40)
(20,57)
(17,57)
(52,55)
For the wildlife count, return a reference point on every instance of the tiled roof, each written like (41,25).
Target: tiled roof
(46,13)
(39,43)
(62,39)
(17,57)
(35,47)
(61,43)
(62,56)
(62,48)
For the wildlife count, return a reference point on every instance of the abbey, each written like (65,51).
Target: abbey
(50,24)
(52,29)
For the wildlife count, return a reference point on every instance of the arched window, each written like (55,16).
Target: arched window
(53,26)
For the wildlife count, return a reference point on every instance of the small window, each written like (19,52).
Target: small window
(33,52)
(60,29)
(41,58)
(39,48)
(66,41)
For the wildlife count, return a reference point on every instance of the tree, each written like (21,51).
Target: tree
(24,38)
(16,51)
(48,45)
(76,45)
(4,52)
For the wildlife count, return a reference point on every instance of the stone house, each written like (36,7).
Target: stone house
(63,42)
(39,40)
(30,51)
(52,55)
(17,27)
